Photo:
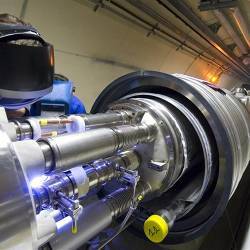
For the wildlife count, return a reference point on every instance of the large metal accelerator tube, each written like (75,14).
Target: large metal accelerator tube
(226,123)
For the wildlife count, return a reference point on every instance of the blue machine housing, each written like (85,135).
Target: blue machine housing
(58,101)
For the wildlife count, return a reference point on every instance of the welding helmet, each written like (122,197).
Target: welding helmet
(26,65)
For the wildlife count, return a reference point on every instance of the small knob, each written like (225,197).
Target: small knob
(156,228)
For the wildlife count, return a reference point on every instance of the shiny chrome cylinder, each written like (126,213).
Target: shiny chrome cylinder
(95,218)
(75,149)
(24,129)
(96,173)
(17,220)
(104,170)
(106,119)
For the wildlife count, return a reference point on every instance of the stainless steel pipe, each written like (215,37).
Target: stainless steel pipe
(96,173)
(94,219)
(71,150)
(107,169)
(106,119)
(24,129)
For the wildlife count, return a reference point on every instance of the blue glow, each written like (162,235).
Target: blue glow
(38,181)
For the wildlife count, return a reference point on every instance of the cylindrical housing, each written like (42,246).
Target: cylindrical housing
(106,119)
(101,171)
(74,149)
(225,122)
(76,184)
(235,121)
(25,129)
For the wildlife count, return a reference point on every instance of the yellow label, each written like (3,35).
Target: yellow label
(43,122)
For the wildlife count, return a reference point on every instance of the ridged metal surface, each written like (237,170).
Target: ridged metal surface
(132,135)
(119,201)
(236,122)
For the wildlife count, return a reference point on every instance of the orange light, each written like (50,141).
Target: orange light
(214,79)
(209,76)
(214,76)
(52,57)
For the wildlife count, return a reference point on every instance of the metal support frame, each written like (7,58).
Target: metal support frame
(216,4)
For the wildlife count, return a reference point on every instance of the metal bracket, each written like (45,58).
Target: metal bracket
(69,207)
(98,5)
(158,165)
(129,176)
(138,116)
(181,45)
(152,30)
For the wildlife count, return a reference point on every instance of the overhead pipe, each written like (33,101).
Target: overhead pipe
(156,30)
(183,12)
(163,21)
(243,27)
(230,30)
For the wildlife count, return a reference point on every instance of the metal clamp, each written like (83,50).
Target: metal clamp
(129,176)
(69,207)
